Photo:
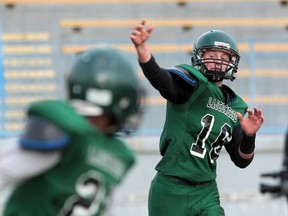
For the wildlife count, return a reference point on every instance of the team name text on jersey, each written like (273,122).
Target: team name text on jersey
(222,107)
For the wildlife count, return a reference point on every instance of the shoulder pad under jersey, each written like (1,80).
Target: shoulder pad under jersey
(182,73)
(193,71)
(61,114)
(42,134)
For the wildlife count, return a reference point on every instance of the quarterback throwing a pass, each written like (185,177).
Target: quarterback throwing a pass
(203,115)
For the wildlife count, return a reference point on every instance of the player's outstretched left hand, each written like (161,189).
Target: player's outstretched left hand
(252,123)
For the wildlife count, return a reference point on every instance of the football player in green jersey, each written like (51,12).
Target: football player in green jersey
(69,158)
(202,116)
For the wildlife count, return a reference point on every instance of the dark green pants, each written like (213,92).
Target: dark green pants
(168,197)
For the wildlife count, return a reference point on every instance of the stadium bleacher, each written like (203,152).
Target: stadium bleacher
(41,37)
(50,42)
(28,75)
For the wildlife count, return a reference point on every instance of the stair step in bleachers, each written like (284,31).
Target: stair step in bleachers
(29,74)
(271,22)
(21,37)
(27,62)
(173,48)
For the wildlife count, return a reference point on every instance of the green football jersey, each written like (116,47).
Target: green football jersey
(92,164)
(194,132)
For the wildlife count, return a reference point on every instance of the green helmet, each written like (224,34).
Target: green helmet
(216,40)
(103,81)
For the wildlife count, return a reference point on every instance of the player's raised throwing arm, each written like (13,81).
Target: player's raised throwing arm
(139,35)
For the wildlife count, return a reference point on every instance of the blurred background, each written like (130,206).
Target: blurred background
(40,38)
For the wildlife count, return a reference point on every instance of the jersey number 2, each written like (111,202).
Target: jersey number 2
(91,196)
(199,148)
